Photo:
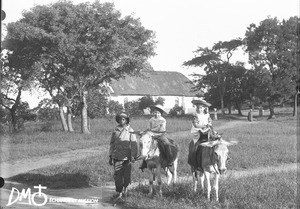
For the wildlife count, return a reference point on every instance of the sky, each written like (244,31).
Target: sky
(183,26)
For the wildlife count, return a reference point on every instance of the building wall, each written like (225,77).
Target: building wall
(170,101)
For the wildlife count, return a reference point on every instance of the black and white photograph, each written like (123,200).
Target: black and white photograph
(149,104)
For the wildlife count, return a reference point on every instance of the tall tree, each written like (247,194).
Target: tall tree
(236,90)
(215,67)
(272,48)
(92,43)
(20,49)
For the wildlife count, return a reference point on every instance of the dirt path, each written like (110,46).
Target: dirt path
(9,169)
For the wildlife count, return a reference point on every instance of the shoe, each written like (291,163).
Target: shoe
(116,196)
(125,192)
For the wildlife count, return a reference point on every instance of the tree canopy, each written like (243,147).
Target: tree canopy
(272,47)
(78,47)
(272,77)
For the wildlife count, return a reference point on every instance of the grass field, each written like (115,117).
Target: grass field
(262,143)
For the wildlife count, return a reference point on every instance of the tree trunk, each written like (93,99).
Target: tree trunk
(84,118)
(295,105)
(238,108)
(69,119)
(13,110)
(222,106)
(13,120)
(62,118)
(272,113)
(229,108)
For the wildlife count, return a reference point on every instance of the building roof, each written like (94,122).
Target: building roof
(154,83)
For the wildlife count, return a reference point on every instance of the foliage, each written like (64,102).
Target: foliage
(97,103)
(132,108)
(176,110)
(160,101)
(218,71)
(145,102)
(81,46)
(272,47)
(47,111)
(4,115)
(114,107)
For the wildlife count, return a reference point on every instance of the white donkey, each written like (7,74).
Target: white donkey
(214,157)
(155,158)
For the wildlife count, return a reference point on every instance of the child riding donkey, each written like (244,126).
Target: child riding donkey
(202,131)
(157,125)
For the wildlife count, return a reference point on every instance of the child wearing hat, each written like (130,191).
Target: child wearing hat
(122,152)
(201,125)
(157,124)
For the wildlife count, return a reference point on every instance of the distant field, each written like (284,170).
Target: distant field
(41,139)
(262,143)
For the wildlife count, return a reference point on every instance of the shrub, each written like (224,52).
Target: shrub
(48,113)
(132,108)
(114,107)
(176,110)
(145,102)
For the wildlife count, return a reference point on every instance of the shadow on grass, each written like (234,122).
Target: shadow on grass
(232,117)
(57,181)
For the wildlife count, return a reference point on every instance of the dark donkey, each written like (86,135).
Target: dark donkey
(153,152)
(211,160)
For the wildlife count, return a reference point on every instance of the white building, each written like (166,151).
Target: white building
(174,87)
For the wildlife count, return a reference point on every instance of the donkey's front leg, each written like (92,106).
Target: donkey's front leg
(202,177)
(175,165)
(207,177)
(169,175)
(216,186)
(195,178)
(151,179)
(159,182)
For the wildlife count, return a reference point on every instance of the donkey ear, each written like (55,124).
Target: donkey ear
(232,143)
(136,132)
(229,143)
(209,144)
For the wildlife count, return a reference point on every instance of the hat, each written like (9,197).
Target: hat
(122,115)
(159,108)
(201,102)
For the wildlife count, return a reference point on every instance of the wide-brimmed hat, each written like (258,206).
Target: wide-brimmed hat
(201,102)
(122,115)
(159,108)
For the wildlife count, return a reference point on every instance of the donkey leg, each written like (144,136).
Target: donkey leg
(202,177)
(207,177)
(169,175)
(195,178)
(151,179)
(175,165)
(216,186)
(159,182)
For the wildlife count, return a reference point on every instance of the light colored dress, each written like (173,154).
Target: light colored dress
(201,122)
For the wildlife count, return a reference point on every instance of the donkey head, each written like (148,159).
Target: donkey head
(219,153)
